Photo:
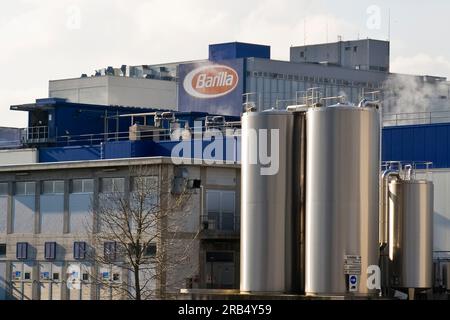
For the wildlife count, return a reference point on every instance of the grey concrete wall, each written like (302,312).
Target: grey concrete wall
(72,209)
(111,90)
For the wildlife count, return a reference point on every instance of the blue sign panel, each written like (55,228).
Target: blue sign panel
(212,87)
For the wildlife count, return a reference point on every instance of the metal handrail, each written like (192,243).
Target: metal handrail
(421,117)
(163,134)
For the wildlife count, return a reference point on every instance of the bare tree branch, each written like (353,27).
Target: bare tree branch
(150,214)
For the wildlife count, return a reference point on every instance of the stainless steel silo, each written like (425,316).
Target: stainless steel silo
(342,169)
(411,233)
(266,202)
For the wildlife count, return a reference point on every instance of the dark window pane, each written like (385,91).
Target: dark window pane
(151,250)
(22,250)
(50,250)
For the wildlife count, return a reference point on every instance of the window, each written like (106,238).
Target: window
(50,250)
(116,277)
(2,249)
(83,186)
(22,250)
(302,54)
(3,189)
(110,251)
(145,183)
(79,250)
(27,276)
(25,188)
(85,277)
(355,49)
(220,208)
(56,276)
(150,251)
(53,187)
(113,185)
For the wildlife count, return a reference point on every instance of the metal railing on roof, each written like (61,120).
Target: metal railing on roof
(40,135)
(412,118)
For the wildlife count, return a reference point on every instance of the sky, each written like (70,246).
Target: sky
(42,40)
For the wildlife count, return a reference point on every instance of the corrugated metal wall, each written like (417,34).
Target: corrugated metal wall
(79,153)
(418,143)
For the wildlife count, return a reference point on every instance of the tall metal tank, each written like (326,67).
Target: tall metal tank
(266,202)
(411,233)
(343,160)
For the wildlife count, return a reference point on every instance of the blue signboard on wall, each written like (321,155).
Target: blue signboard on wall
(213,87)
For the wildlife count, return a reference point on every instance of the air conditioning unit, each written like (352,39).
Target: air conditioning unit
(140,132)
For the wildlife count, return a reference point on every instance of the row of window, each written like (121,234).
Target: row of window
(79,250)
(292,77)
(49,187)
(22,250)
(76,186)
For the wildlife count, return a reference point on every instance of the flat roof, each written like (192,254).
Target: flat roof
(110,163)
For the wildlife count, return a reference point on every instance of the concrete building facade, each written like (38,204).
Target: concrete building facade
(40,208)
(117,91)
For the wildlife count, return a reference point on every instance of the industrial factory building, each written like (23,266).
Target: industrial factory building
(345,68)
(190,124)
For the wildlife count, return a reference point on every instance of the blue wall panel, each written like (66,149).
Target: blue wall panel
(418,143)
(236,50)
(128,149)
(78,153)
(441,152)
(404,143)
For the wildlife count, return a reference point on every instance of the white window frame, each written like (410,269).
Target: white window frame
(83,186)
(113,184)
(53,184)
(26,187)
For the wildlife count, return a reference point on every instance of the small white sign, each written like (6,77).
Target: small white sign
(352,265)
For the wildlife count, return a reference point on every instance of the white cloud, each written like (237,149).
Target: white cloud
(38,43)
(422,64)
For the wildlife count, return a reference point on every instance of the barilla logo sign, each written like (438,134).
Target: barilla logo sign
(211,81)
